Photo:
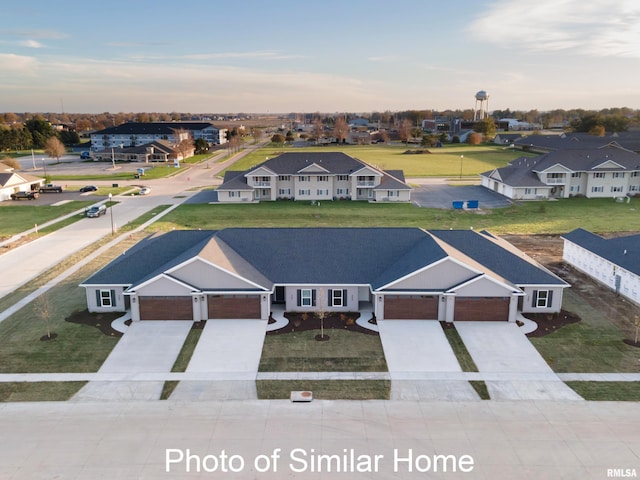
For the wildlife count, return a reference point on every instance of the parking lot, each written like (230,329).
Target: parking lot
(53,198)
(443,196)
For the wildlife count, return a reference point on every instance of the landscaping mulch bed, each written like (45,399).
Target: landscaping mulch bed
(101,321)
(549,323)
(298,322)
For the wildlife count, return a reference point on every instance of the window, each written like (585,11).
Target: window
(322,191)
(635,174)
(284,178)
(302,192)
(343,178)
(599,175)
(342,191)
(393,193)
(234,194)
(542,298)
(106,298)
(304,178)
(576,175)
(284,191)
(323,178)
(306,297)
(597,189)
(574,188)
(530,191)
(618,174)
(616,189)
(634,188)
(338,298)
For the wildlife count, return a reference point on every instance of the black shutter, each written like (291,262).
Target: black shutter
(344,298)
(534,302)
(113,298)
(313,297)
(330,298)
(98,299)
(299,297)
(549,298)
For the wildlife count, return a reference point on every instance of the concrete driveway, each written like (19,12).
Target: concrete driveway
(228,354)
(146,347)
(442,196)
(511,367)
(421,361)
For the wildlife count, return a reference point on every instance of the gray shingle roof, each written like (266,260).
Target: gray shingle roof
(152,128)
(621,251)
(570,141)
(585,160)
(150,257)
(506,264)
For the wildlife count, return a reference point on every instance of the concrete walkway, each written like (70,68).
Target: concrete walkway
(146,347)
(501,348)
(524,440)
(415,347)
(230,350)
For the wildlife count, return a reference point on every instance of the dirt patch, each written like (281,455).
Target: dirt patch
(300,322)
(551,322)
(547,249)
(101,321)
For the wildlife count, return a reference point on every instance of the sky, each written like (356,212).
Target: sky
(263,56)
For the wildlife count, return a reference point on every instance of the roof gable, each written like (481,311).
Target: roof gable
(313,168)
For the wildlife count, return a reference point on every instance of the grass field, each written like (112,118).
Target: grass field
(346,351)
(18,218)
(594,344)
(608,391)
(442,162)
(325,389)
(552,217)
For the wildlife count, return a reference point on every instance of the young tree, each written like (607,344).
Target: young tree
(404,130)
(54,148)
(202,146)
(474,138)
(184,141)
(321,313)
(43,308)
(11,162)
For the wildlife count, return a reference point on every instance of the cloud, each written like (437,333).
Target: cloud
(30,44)
(595,28)
(38,33)
(18,63)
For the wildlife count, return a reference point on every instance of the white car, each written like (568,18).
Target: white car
(144,191)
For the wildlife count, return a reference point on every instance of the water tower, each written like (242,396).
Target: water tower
(481,109)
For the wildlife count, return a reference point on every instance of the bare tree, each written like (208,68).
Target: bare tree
(256,133)
(404,130)
(340,129)
(317,130)
(43,308)
(184,142)
(54,148)
(636,323)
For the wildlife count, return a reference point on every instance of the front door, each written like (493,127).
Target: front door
(279,295)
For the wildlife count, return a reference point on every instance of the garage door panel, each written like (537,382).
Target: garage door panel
(411,307)
(165,308)
(233,306)
(481,309)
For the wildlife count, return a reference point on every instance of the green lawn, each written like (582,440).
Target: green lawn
(553,217)
(442,162)
(18,218)
(594,344)
(38,391)
(326,389)
(345,351)
(608,391)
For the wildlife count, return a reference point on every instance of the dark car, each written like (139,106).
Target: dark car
(24,196)
(89,188)
(96,211)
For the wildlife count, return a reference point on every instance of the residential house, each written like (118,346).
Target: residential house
(614,262)
(157,151)
(605,172)
(133,134)
(13,182)
(399,273)
(578,141)
(314,176)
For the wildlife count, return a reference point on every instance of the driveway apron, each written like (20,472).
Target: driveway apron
(421,362)
(146,347)
(511,367)
(228,354)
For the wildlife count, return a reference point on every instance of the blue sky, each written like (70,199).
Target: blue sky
(329,56)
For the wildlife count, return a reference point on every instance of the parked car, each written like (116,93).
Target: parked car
(50,187)
(89,188)
(24,196)
(144,191)
(85,155)
(96,211)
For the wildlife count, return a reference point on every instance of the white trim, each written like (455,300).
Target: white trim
(224,270)
(160,276)
(314,164)
(513,290)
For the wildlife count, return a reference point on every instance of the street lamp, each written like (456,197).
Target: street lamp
(461,158)
(111,210)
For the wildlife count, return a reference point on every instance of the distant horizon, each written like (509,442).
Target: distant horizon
(288,56)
